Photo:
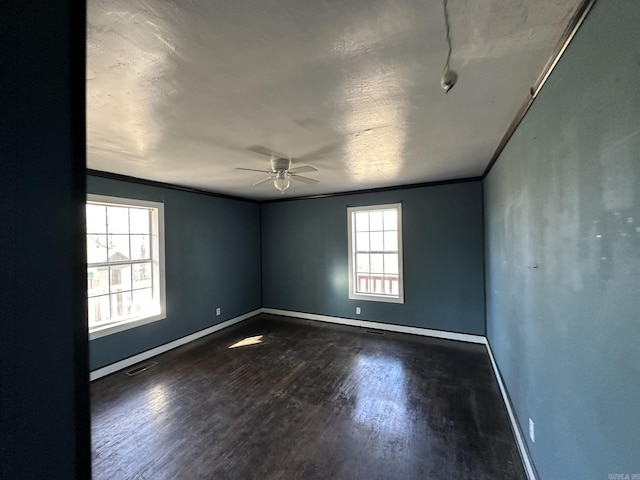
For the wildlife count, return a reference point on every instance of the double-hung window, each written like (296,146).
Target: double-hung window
(375,253)
(125,263)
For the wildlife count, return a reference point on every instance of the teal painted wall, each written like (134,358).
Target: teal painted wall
(565,195)
(212,257)
(305,258)
(44,392)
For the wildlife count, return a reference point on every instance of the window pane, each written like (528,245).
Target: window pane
(362,283)
(98,310)
(362,262)
(120,278)
(362,221)
(140,248)
(118,219)
(143,301)
(375,220)
(96,218)
(118,248)
(391,263)
(98,281)
(377,263)
(141,275)
(120,305)
(96,248)
(390,285)
(376,284)
(362,241)
(391,220)
(391,241)
(376,242)
(139,220)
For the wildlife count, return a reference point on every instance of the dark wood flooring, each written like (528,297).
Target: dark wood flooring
(310,401)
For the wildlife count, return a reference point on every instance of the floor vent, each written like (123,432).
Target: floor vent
(374,332)
(140,368)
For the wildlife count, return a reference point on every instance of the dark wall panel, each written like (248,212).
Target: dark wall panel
(565,196)
(305,257)
(212,256)
(44,404)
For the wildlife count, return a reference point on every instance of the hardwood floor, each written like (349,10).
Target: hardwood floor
(309,401)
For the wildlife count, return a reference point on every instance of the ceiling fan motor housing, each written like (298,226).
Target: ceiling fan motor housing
(280,164)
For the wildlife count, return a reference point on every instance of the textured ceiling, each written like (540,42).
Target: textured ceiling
(178,92)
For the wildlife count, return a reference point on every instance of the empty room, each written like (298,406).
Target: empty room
(349,240)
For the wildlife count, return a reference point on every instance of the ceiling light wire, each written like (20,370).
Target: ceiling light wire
(448,27)
(449,77)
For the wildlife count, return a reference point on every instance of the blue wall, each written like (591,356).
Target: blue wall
(305,258)
(44,392)
(565,195)
(212,258)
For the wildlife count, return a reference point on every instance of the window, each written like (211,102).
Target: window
(125,263)
(375,253)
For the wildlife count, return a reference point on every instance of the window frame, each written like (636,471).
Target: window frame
(157,259)
(375,297)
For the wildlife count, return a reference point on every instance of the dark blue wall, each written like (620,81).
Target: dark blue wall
(44,392)
(305,258)
(212,258)
(565,195)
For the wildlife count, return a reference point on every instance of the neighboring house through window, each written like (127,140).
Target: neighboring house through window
(125,263)
(375,253)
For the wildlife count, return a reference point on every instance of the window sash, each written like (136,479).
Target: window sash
(383,274)
(127,262)
(153,279)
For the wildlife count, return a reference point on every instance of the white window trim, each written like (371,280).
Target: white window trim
(372,296)
(157,240)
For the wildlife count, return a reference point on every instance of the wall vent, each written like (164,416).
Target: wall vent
(140,368)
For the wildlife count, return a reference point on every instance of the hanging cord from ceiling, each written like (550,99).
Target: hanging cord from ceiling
(449,77)
(448,28)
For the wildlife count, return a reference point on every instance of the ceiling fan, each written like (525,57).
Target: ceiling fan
(281,172)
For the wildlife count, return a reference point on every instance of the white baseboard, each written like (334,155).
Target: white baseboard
(127,362)
(524,453)
(463,337)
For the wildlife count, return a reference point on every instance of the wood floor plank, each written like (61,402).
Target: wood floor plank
(309,401)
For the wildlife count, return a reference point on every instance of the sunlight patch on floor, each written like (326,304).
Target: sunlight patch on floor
(248,341)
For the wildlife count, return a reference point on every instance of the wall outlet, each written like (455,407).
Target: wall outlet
(532,431)
(218,311)
(357,310)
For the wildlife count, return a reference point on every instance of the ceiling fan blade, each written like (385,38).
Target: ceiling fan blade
(264,180)
(302,169)
(302,179)
(318,153)
(266,151)
(253,170)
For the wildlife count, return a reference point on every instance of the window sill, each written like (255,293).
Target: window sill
(376,298)
(99,332)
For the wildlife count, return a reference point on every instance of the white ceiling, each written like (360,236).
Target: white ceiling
(178,91)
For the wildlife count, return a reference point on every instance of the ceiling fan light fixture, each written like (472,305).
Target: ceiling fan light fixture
(281,182)
(281,172)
